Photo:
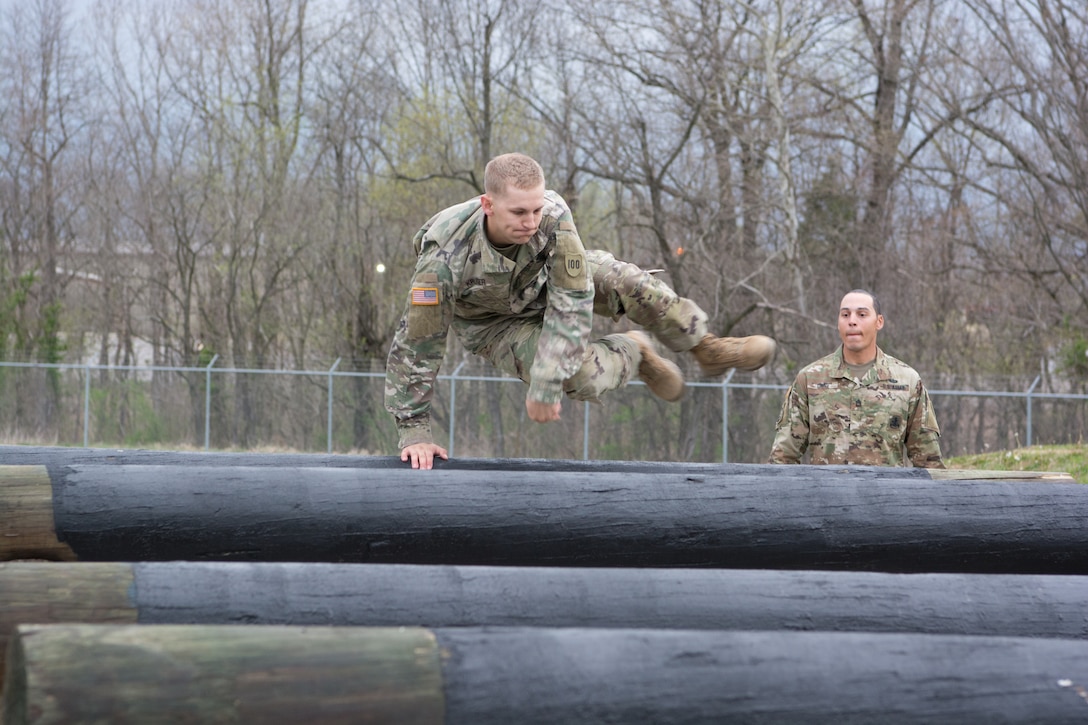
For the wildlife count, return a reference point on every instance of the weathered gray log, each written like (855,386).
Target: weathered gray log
(467,596)
(533,518)
(64,456)
(1019,605)
(219,674)
(643,676)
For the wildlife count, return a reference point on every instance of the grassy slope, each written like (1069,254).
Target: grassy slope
(1071,459)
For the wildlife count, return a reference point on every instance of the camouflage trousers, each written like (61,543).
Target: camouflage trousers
(609,362)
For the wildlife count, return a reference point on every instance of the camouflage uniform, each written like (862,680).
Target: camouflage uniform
(530,316)
(868,421)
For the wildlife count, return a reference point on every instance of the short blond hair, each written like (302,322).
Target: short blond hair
(518,169)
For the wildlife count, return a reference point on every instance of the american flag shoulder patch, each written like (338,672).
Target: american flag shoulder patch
(424,295)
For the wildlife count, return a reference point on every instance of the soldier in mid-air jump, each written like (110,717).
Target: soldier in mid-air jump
(508,272)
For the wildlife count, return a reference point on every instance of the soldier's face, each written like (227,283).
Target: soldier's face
(514,215)
(858,325)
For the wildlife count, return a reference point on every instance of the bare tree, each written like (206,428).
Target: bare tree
(639,122)
(241,68)
(1034,136)
(715,165)
(353,308)
(164,225)
(43,88)
(455,82)
(785,32)
(896,37)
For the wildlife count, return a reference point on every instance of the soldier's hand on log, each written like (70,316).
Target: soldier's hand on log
(422,455)
(542,412)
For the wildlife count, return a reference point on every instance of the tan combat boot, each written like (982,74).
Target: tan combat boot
(661,375)
(717,354)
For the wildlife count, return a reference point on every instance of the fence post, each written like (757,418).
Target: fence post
(453,404)
(329,434)
(208,402)
(585,431)
(86,402)
(1030,391)
(725,415)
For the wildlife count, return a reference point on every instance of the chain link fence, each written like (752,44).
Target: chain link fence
(476,414)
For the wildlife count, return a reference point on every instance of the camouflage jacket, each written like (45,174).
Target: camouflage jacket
(870,421)
(462,282)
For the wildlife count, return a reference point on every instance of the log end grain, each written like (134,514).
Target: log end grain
(27,527)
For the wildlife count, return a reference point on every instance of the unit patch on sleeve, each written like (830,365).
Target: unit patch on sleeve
(571,260)
(575,265)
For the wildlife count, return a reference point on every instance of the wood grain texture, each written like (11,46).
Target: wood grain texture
(545,676)
(530,676)
(51,592)
(391,595)
(224,674)
(463,596)
(569,518)
(27,528)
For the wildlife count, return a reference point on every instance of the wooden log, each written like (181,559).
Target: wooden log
(219,674)
(48,592)
(62,456)
(26,516)
(643,676)
(466,596)
(393,595)
(527,518)
(57,456)
(172,674)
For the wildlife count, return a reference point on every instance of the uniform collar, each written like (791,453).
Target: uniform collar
(536,244)
(877,372)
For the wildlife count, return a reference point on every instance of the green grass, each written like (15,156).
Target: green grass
(1071,459)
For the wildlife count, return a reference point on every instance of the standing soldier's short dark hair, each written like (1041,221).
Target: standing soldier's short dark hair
(876,302)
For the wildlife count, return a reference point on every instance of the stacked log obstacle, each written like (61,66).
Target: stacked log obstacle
(268,674)
(543,518)
(219,593)
(517,591)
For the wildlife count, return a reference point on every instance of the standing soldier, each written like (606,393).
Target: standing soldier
(508,272)
(858,405)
